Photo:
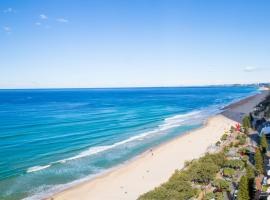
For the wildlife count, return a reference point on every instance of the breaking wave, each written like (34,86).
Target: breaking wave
(37,168)
(168,123)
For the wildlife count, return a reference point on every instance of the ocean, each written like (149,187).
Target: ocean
(51,139)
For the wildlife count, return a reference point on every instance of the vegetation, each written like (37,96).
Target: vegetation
(204,170)
(224,137)
(217,159)
(250,178)
(242,139)
(197,174)
(243,193)
(246,123)
(209,196)
(203,173)
(228,172)
(179,186)
(221,184)
(263,143)
(264,188)
(226,149)
(243,151)
(235,164)
(250,171)
(259,161)
(216,173)
(251,118)
(219,196)
(161,193)
(245,158)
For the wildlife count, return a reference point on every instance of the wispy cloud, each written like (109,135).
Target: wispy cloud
(9,10)
(7,29)
(250,69)
(42,16)
(38,24)
(62,20)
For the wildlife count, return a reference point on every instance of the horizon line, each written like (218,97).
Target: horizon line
(126,87)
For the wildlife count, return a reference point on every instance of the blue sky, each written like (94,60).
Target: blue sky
(121,43)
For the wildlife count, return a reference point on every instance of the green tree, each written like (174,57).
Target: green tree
(228,172)
(250,172)
(242,139)
(235,164)
(221,184)
(209,196)
(183,188)
(219,196)
(217,159)
(176,188)
(264,144)
(259,161)
(203,172)
(251,119)
(243,151)
(250,176)
(245,158)
(160,193)
(243,193)
(246,122)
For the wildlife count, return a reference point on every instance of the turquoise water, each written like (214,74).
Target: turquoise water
(51,139)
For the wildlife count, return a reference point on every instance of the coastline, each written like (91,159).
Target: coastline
(151,168)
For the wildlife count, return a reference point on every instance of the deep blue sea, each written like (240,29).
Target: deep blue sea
(52,139)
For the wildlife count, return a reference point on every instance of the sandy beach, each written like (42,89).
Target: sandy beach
(155,166)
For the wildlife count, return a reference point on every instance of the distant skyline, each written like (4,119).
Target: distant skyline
(136,43)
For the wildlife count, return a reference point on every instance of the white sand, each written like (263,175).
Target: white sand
(147,171)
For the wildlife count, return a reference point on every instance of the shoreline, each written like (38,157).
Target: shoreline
(140,174)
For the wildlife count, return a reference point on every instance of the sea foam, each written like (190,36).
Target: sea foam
(37,168)
(168,123)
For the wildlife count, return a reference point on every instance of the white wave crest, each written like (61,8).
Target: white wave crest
(183,117)
(37,168)
(178,120)
(167,124)
(98,149)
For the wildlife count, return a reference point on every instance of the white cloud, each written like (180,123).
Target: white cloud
(7,29)
(38,24)
(9,10)
(250,69)
(42,16)
(62,20)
